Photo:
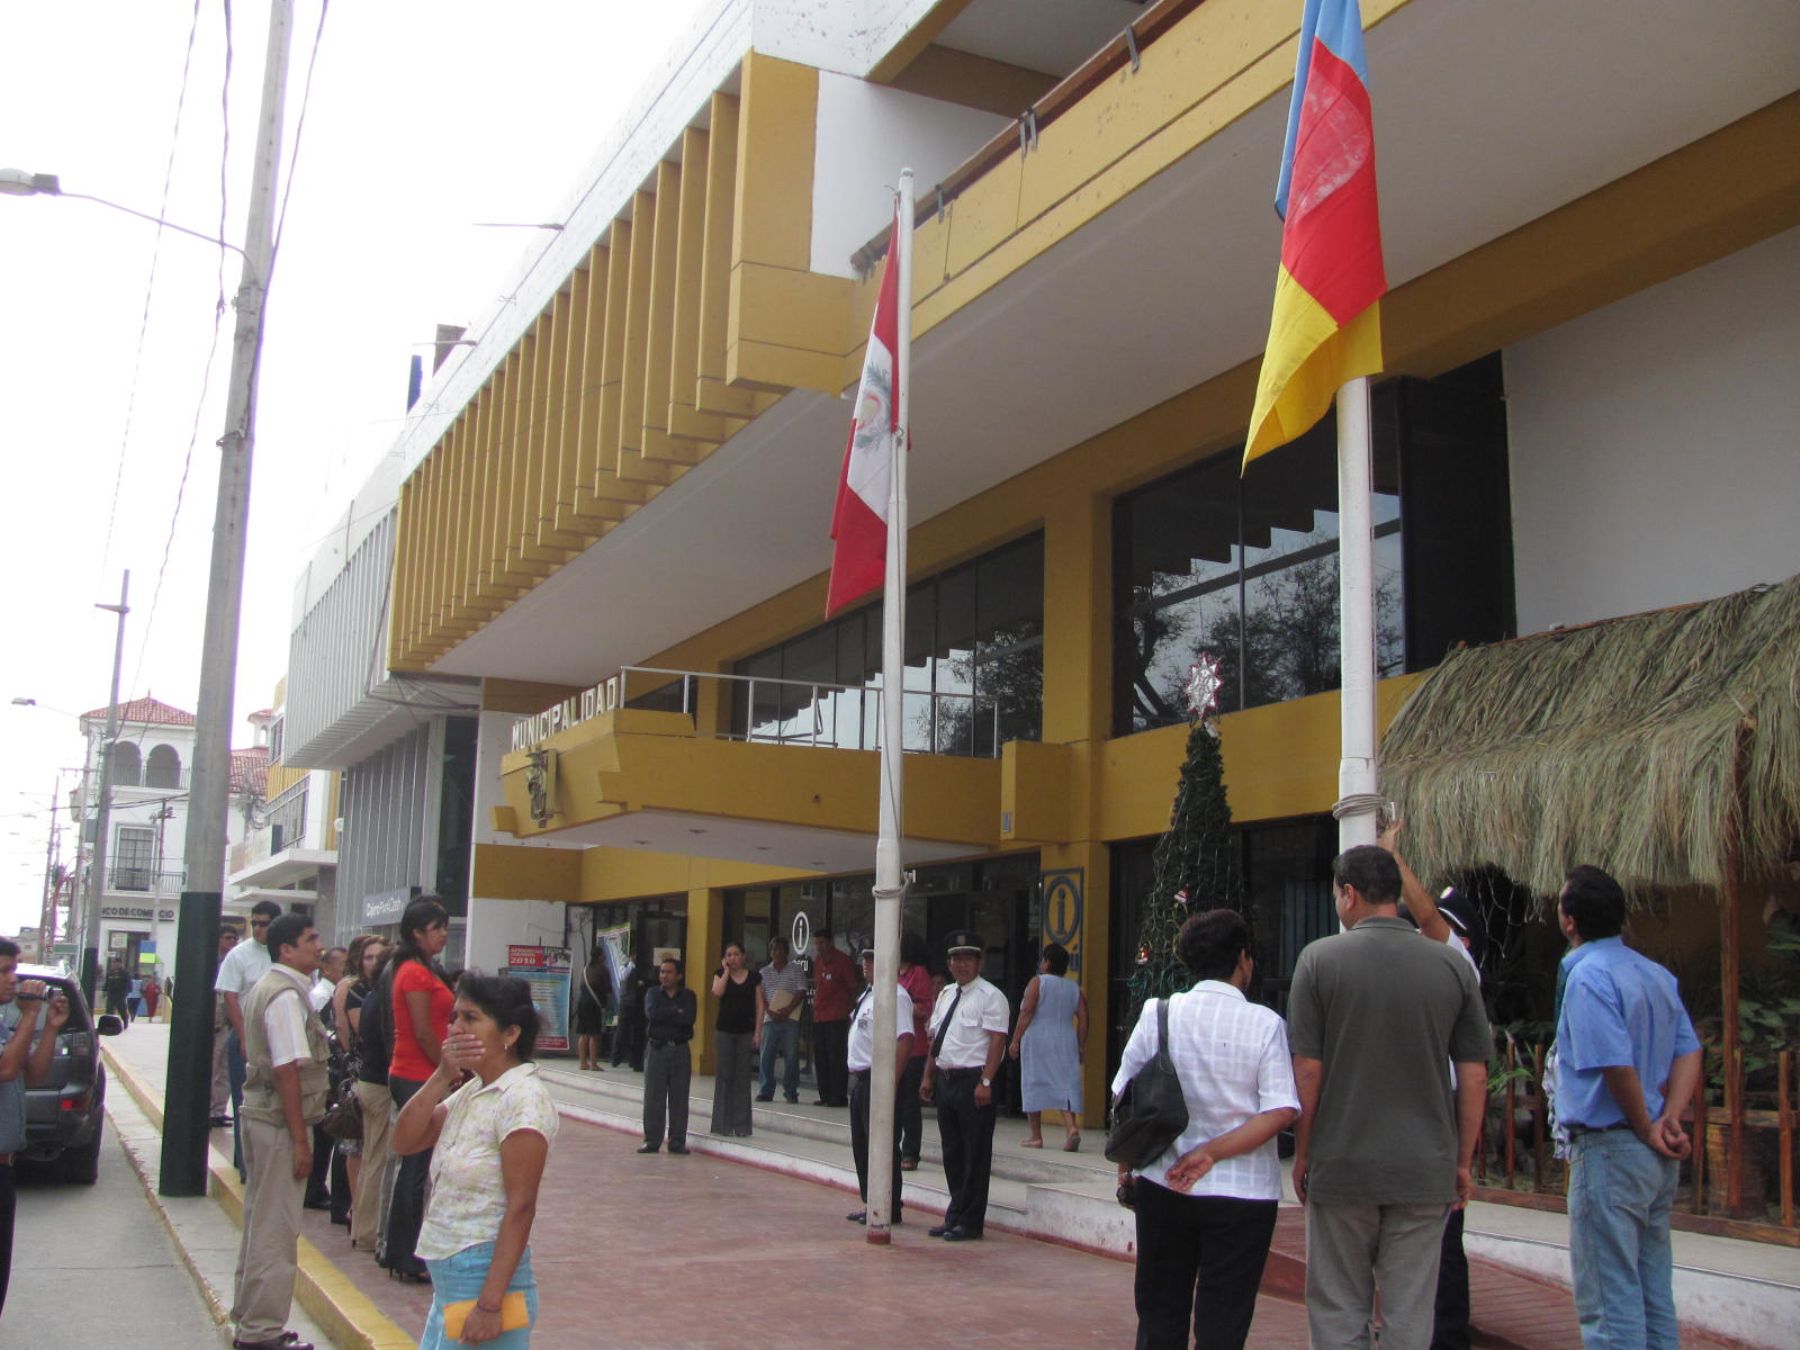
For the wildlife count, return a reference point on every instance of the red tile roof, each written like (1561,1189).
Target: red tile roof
(145,710)
(250,770)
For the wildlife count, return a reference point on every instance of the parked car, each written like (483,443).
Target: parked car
(64,1117)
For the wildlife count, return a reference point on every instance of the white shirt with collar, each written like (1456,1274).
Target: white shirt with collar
(860,1056)
(468,1188)
(982,1010)
(1232,1058)
(242,967)
(284,1022)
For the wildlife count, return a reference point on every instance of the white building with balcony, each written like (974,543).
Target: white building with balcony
(152,757)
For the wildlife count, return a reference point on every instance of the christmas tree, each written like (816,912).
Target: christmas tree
(1195,867)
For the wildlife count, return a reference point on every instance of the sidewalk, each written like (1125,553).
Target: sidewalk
(623,1243)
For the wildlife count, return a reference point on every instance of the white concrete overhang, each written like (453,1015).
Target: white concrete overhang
(748,841)
(255,894)
(285,868)
(390,709)
(1487,117)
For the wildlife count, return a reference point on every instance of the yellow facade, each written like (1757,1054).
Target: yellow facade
(698,308)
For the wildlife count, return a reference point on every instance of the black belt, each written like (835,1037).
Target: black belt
(1597,1129)
(953,1073)
(859,1073)
(664,1045)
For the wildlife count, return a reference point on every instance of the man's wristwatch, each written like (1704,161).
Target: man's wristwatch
(986,1081)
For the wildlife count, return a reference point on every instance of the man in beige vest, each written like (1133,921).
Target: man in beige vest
(285,1085)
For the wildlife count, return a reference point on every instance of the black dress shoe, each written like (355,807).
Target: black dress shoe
(963,1235)
(678,1148)
(651,1148)
(938,1231)
(861,1216)
(769,1097)
(288,1340)
(316,1204)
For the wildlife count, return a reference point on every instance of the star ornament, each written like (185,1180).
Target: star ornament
(1203,686)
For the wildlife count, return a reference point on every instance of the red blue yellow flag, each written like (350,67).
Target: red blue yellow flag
(1326,328)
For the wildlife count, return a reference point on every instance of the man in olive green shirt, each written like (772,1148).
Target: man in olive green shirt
(1383,1146)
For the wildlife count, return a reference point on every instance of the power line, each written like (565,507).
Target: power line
(137,359)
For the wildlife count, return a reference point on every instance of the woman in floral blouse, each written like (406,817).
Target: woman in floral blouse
(491,1137)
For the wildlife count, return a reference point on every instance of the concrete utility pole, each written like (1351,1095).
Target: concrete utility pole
(188,1089)
(90,927)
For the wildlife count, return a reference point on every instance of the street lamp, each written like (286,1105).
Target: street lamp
(19,183)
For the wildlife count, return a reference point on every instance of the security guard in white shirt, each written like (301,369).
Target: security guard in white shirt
(968,1042)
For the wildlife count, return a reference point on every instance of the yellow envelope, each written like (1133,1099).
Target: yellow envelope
(514,1314)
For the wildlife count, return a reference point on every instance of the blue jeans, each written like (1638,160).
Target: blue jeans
(458,1278)
(1620,1194)
(783,1039)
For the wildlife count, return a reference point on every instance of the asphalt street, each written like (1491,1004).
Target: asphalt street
(93,1265)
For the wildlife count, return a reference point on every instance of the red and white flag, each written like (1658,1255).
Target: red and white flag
(859,524)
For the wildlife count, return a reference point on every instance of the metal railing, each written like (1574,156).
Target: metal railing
(146,880)
(819,715)
(1738,1181)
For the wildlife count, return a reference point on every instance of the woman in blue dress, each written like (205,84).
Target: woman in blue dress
(1053,1023)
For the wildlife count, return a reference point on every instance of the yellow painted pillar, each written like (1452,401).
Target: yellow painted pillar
(705,929)
(1078,713)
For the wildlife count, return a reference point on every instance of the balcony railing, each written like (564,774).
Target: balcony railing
(768,711)
(144,880)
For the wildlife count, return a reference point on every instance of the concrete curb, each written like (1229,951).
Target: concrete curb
(329,1296)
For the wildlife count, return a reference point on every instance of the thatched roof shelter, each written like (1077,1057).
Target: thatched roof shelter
(1615,743)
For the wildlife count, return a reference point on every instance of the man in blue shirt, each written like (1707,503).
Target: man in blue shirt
(21,1063)
(1628,1063)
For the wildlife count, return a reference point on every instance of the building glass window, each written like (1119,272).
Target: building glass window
(134,858)
(1246,567)
(287,818)
(974,674)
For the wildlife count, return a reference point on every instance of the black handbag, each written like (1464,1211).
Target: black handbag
(1153,1111)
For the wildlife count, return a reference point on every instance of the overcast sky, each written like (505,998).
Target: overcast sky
(425,117)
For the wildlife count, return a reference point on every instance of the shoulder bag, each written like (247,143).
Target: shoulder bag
(1153,1111)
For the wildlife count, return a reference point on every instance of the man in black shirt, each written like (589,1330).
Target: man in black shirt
(669,1012)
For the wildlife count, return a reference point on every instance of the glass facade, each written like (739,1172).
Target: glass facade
(1246,567)
(974,676)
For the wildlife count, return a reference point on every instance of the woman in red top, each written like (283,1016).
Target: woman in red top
(420,1015)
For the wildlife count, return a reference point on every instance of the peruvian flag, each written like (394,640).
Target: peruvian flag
(859,524)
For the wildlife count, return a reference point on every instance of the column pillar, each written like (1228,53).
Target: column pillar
(705,940)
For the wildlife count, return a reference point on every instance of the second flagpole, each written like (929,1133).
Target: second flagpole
(890,885)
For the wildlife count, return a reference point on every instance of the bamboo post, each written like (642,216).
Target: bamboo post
(1786,1121)
(1511,1060)
(1730,885)
(1539,1110)
(1700,1140)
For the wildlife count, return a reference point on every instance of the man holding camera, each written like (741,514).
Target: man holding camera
(21,1064)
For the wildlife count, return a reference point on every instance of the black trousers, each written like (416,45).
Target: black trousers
(860,1093)
(317,1192)
(668,1075)
(966,1132)
(909,1111)
(1450,1321)
(406,1208)
(628,1041)
(831,1047)
(1199,1260)
(8,1204)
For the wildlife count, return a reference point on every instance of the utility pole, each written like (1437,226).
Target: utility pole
(47,914)
(188,1089)
(90,928)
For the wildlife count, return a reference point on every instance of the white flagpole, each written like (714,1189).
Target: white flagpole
(889,883)
(1358,769)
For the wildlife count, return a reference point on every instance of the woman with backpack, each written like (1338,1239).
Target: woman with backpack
(419,1015)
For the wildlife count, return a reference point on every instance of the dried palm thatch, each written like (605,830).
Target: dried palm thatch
(1610,744)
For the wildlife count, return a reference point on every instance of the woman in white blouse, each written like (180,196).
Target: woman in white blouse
(1206,1207)
(491,1138)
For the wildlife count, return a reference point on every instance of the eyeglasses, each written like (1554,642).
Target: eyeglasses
(259,923)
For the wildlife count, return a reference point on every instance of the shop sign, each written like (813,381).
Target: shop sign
(386,906)
(530,732)
(136,912)
(1063,906)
